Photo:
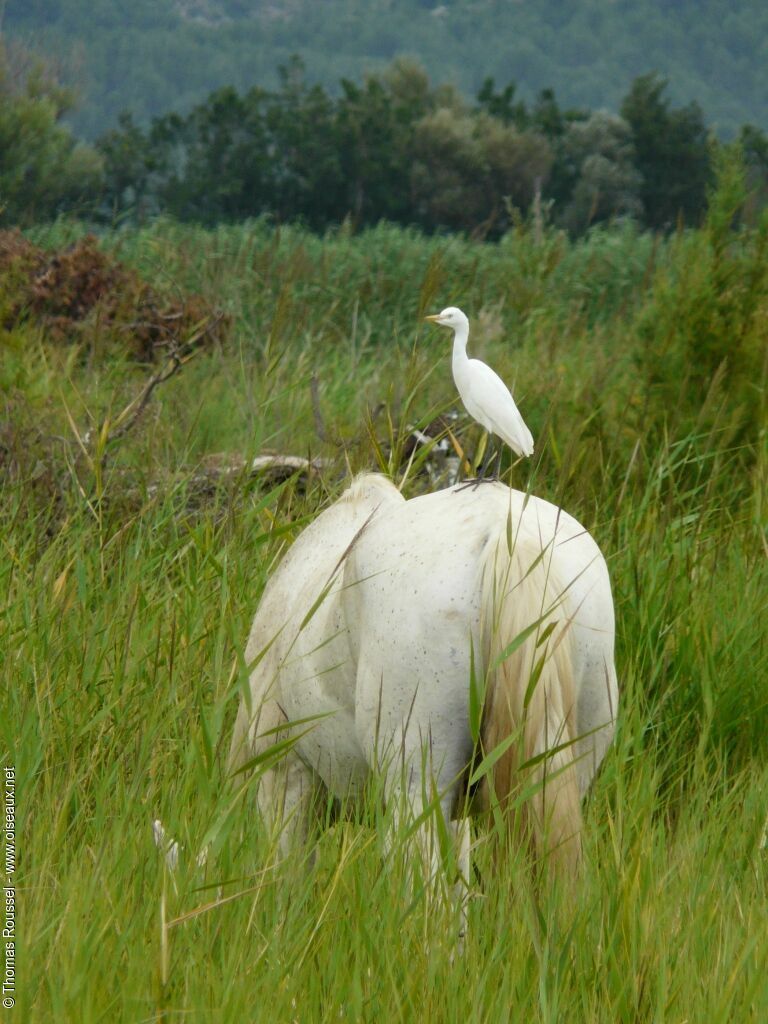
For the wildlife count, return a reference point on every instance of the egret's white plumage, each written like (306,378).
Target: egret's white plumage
(486,397)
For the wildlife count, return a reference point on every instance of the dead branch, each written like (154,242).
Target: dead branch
(228,465)
(177,357)
(274,469)
(316,413)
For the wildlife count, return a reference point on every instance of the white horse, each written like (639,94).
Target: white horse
(390,623)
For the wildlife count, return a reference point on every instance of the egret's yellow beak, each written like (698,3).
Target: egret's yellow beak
(435,318)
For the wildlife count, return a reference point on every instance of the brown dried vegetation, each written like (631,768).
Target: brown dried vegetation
(83,294)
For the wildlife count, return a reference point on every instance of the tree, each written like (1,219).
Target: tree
(373,133)
(671,153)
(754,147)
(467,166)
(600,155)
(228,173)
(128,165)
(302,147)
(43,168)
(549,119)
(502,104)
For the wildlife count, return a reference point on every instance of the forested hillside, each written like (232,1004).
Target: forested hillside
(395,147)
(151,56)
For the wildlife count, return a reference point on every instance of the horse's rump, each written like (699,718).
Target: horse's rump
(371,622)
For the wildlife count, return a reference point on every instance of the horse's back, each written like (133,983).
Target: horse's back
(371,620)
(412,603)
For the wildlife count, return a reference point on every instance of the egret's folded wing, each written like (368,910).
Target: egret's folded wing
(490,394)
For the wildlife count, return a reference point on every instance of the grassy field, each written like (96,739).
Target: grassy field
(127,597)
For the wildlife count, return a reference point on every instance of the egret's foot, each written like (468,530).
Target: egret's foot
(475,482)
(481,478)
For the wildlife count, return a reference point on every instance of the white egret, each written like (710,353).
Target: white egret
(486,397)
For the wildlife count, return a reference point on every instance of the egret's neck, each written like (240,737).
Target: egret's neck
(460,338)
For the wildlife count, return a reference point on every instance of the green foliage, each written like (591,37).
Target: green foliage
(754,145)
(393,147)
(127,605)
(599,155)
(152,57)
(43,168)
(671,153)
(704,329)
(502,104)
(396,147)
(294,153)
(467,168)
(378,142)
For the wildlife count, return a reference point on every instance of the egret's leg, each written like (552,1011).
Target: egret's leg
(489,456)
(475,482)
(488,460)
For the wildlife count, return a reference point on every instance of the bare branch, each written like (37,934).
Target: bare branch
(314,389)
(176,359)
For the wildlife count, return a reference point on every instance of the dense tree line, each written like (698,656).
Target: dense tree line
(393,147)
(396,147)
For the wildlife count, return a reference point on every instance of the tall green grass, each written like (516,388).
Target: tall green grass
(123,663)
(127,601)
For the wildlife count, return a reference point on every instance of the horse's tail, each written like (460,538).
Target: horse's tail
(529,705)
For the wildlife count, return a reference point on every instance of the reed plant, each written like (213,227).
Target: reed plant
(127,599)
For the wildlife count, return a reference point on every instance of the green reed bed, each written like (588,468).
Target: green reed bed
(127,597)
